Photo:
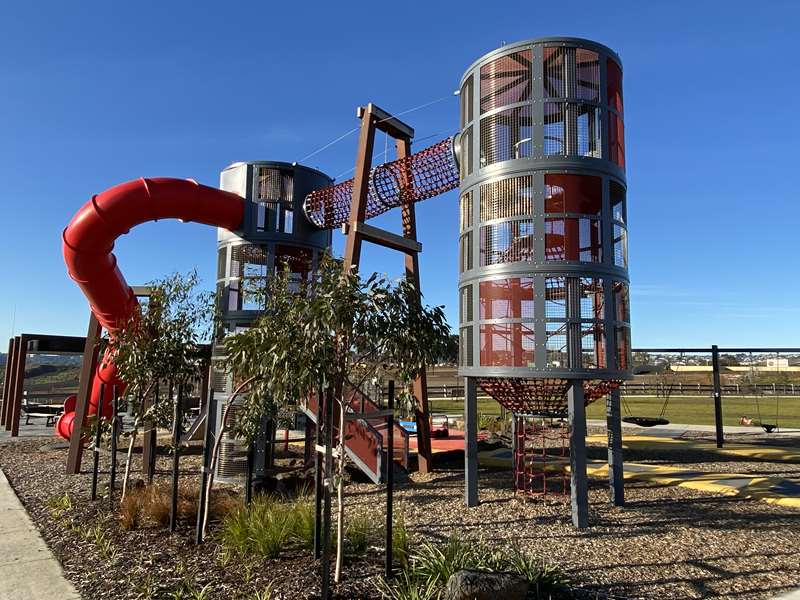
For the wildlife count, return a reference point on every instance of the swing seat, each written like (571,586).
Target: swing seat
(645,421)
(768,427)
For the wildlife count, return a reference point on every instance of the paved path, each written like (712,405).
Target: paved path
(28,570)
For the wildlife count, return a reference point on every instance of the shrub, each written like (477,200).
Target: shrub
(262,529)
(304,521)
(150,505)
(401,545)
(360,530)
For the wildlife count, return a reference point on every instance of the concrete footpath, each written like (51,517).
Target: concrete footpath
(28,570)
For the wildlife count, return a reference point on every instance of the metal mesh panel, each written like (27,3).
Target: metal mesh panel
(219,379)
(593,346)
(420,176)
(465,347)
(249,260)
(617,202)
(465,251)
(507,198)
(466,101)
(620,246)
(581,194)
(622,333)
(553,67)
(587,74)
(465,303)
(574,239)
(555,115)
(555,305)
(622,309)
(510,298)
(506,135)
(507,345)
(616,139)
(588,126)
(465,160)
(222,260)
(507,242)
(556,345)
(506,80)
(592,298)
(614,85)
(272,185)
(465,211)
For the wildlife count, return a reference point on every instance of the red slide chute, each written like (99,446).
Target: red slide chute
(88,242)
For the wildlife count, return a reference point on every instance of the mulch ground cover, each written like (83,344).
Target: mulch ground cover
(668,542)
(111,562)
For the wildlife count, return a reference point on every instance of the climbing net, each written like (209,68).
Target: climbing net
(541,397)
(423,175)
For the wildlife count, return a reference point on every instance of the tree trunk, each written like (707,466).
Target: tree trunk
(223,428)
(340,496)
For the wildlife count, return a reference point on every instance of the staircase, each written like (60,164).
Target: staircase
(365,436)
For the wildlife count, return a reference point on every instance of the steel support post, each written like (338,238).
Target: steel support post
(177,430)
(114,435)
(318,477)
(579,490)
(326,510)
(471,441)
(616,486)
(720,433)
(98,436)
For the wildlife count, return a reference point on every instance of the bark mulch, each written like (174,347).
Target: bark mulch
(105,561)
(668,542)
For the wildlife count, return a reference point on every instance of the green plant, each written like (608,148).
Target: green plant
(406,586)
(545,579)
(265,594)
(262,529)
(336,331)
(360,531)
(59,506)
(437,563)
(304,521)
(401,544)
(144,587)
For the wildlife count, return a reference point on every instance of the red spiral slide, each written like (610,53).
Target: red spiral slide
(88,242)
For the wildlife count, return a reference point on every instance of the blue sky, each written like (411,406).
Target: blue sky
(97,93)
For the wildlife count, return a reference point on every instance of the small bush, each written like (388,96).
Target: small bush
(406,586)
(150,505)
(401,545)
(304,521)
(360,530)
(262,529)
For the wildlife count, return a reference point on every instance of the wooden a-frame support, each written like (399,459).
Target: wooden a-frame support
(372,119)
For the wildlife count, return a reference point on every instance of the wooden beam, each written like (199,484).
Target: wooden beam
(386,122)
(7,381)
(384,238)
(19,385)
(11,384)
(88,369)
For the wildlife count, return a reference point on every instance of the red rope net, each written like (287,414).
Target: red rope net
(423,175)
(541,397)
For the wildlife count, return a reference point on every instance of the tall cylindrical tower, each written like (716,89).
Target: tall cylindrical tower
(543,282)
(275,234)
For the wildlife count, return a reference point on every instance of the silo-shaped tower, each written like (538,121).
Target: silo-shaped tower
(275,234)
(543,283)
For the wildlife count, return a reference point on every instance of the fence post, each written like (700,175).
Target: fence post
(717,395)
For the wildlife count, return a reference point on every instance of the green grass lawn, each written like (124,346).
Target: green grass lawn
(693,410)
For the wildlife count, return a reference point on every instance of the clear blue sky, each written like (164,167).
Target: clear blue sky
(97,93)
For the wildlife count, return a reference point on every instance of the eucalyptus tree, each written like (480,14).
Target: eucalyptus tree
(160,342)
(333,331)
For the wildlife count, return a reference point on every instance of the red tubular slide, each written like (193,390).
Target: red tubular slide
(88,242)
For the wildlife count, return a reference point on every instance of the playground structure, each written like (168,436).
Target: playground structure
(543,288)
(543,285)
